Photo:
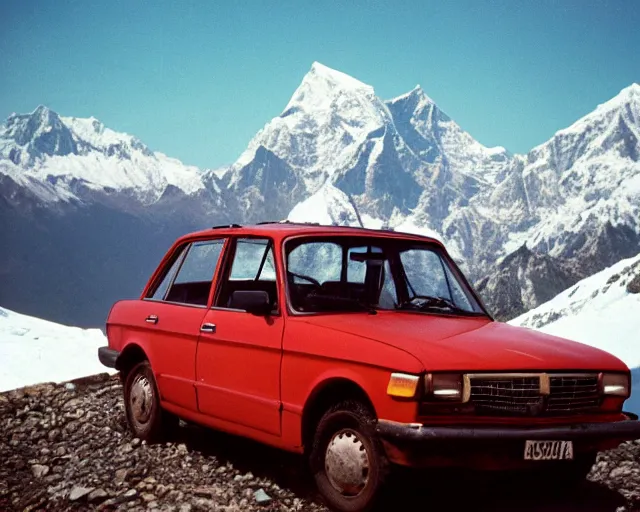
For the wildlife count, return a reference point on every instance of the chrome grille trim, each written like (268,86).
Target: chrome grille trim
(574,393)
(533,394)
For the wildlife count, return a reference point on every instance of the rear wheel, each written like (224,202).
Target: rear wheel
(347,459)
(146,419)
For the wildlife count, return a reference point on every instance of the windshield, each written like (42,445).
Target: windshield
(372,273)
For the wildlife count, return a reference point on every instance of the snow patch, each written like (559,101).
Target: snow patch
(597,311)
(33,351)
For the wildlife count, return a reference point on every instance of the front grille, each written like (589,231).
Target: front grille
(516,396)
(509,395)
(573,394)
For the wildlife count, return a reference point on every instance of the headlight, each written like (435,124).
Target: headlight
(445,387)
(615,384)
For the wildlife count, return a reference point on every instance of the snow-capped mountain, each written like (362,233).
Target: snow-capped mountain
(86,212)
(336,154)
(574,199)
(583,177)
(435,137)
(601,311)
(67,158)
(29,346)
(389,156)
(523,280)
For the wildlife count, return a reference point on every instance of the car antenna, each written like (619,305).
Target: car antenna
(355,208)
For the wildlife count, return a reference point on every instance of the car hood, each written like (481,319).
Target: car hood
(470,343)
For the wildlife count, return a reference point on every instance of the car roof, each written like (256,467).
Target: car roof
(284,229)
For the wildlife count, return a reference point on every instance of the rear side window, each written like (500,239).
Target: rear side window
(254,260)
(188,281)
(200,263)
(161,289)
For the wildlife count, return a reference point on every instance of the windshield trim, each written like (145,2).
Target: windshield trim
(435,245)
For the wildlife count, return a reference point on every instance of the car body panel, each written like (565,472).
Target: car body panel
(170,344)
(256,375)
(449,343)
(238,369)
(314,357)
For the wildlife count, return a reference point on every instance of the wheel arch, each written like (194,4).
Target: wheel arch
(130,356)
(324,395)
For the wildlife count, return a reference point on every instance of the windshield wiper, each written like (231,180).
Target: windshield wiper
(427,302)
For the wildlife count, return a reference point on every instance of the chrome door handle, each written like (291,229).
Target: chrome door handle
(208,328)
(151,319)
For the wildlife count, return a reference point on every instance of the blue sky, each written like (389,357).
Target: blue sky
(196,80)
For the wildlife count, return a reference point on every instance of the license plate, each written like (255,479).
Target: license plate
(548,450)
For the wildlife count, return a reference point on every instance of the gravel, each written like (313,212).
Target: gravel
(66,447)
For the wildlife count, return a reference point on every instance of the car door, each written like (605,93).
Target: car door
(174,311)
(239,353)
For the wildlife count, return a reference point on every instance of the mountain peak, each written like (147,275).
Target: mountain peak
(416,95)
(625,102)
(630,92)
(40,110)
(44,116)
(321,85)
(41,132)
(333,77)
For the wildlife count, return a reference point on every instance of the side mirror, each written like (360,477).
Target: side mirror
(255,302)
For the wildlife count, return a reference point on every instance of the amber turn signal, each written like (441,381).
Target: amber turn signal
(403,385)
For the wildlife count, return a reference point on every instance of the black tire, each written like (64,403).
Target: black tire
(145,418)
(349,422)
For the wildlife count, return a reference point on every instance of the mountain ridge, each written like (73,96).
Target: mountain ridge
(402,162)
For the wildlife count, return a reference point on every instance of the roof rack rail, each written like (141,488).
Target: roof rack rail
(287,221)
(301,223)
(226,226)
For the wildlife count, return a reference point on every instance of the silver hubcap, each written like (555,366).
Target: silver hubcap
(346,462)
(141,399)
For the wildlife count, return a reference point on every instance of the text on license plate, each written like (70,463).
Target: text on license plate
(548,450)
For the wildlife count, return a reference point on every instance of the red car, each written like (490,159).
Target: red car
(360,349)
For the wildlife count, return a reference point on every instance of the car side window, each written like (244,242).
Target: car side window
(253,260)
(192,283)
(253,269)
(161,289)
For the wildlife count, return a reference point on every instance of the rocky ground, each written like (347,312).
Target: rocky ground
(66,447)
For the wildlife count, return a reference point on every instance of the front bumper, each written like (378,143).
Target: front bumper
(108,357)
(625,430)
(493,447)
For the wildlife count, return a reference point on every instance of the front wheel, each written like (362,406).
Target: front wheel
(347,459)
(146,419)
